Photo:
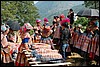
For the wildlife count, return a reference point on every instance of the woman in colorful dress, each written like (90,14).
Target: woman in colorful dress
(38,25)
(6,47)
(56,32)
(45,38)
(37,31)
(26,41)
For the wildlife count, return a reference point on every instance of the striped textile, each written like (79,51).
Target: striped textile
(57,32)
(75,39)
(72,38)
(21,59)
(85,44)
(6,57)
(94,47)
(97,51)
(79,42)
(47,40)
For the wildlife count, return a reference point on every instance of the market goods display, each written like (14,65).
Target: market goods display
(46,52)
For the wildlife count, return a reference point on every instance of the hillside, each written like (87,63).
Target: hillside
(50,8)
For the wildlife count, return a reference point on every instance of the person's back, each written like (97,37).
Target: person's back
(71,17)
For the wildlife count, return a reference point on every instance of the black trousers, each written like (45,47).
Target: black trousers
(7,64)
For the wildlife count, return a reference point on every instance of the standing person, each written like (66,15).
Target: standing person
(64,39)
(54,24)
(96,27)
(37,31)
(6,47)
(36,37)
(38,25)
(26,41)
(56,34)
(78,29)
(71,16)
(46,22)
(12,38)
(45,38)
(62,17)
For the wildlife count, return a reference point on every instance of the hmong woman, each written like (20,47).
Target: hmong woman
(5,47)
(26,41)
(37,31)
(56,31)
(45,38)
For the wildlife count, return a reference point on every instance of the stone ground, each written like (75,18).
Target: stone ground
(79,61)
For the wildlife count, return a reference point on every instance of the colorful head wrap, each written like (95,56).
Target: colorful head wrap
(62,16)
(28,26)
(38,21)
(45,19)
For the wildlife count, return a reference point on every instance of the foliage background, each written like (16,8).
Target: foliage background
(22,11)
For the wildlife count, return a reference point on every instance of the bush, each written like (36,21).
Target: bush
(83,21)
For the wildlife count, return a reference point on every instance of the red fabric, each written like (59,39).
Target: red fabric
(16,63)
(11,51)
(62,16)
(22,64)
(91,55)
(23,29)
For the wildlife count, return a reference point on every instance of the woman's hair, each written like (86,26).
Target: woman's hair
(65,24)
(71,9)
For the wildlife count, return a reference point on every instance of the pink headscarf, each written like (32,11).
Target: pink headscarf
(28,26)
(45,19)
(67,20)
(25,27)
(38,21)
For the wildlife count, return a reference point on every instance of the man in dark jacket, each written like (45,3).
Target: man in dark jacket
(64,40)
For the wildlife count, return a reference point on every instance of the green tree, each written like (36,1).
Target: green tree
(92,4)
(22,11)
(83,21)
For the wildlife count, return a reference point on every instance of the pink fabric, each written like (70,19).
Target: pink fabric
(38,21)
(67,20)
(23,29)
(28,26)
(45,19)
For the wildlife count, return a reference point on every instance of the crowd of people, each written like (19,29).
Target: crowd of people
(59,33)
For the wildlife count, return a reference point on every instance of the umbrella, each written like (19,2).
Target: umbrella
(88,13)
(9,22)
(14,25)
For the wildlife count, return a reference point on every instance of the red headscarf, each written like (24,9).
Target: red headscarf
(62,16)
